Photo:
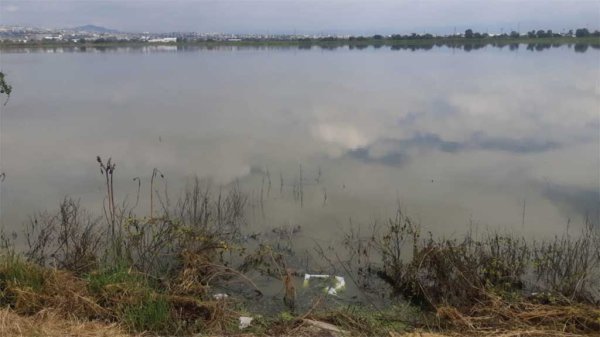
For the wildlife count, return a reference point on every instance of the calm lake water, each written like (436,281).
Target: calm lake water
(497,138)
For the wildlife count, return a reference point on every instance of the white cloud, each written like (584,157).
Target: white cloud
(308,16)
(346,135)
(11,8)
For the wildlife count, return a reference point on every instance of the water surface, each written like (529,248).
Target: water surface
(500,138)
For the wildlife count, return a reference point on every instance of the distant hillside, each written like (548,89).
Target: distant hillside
(94,29)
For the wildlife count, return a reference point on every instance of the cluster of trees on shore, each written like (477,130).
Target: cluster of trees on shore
(581,32)
(470,34)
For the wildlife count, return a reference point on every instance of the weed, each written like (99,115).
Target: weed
(15,272)
(482,281)
(568,265)
(118,275)
(152,314)
(68,239)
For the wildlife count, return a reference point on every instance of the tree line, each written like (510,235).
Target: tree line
(471,34)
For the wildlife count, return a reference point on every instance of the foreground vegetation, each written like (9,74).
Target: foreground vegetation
(161,274)
(123,302)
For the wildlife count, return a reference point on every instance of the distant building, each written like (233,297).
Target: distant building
(53,38)
(163,40)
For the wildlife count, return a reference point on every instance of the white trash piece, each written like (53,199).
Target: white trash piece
(245,322)
(339,282)
(220,296)
(309,276)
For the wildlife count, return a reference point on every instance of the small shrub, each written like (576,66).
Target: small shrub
(568,265)
(68,240)
(462,273)
(503,260)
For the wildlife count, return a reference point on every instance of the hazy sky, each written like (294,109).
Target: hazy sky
(305,16)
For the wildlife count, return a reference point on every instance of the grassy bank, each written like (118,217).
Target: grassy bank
(121,302)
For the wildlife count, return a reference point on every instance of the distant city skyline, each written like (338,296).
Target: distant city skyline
(304,16)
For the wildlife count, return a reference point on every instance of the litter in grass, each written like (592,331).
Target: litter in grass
(245,322)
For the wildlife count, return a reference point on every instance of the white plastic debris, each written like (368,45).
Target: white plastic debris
(309,276)
(245,322)
(339,282)
(220,296)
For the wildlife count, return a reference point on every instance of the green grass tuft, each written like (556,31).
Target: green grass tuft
(152,314)
(15,271)
(118,275)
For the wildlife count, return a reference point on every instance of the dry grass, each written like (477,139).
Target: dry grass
(119,295)
(511,333)
(497,317)
(48,324)
(60,291)
(45,324)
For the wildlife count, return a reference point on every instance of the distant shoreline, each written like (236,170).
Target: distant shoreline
(322,42)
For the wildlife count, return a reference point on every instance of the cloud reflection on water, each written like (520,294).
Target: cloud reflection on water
(444,131)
